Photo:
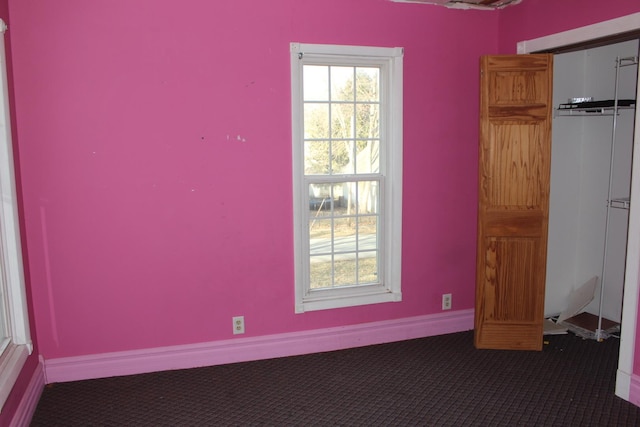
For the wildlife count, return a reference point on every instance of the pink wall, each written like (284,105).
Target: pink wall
(15,398)
(537,18)
(150,224)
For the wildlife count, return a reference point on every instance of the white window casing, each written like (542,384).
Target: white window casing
(387,287)
(16,321)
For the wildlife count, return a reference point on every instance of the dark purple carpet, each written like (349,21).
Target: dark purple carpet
(436,381)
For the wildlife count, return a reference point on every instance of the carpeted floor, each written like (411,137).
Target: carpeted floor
(435,381)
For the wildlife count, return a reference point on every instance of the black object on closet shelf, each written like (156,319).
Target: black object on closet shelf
(608,103)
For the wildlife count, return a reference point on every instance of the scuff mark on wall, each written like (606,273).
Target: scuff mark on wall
(238,138)
(48,277)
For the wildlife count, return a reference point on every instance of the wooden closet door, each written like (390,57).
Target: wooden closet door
(513,200)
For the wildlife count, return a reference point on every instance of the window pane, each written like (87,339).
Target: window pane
(316,157)
(342,121)
(344,235)
(367,84)
(320,241)
(341,157)
(337,196)
(342,84)
(367,197)
(368,157)
(320,199)
(321,272)
(368,267)
(345,270)
(367,121)
(315,82)
(316,121)
(367,232)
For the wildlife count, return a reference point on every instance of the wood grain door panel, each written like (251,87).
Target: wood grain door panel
(513,200)
(513,166)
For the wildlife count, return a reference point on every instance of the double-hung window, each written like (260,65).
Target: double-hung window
(347,174)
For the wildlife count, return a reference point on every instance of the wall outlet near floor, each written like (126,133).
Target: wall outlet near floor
(446,301)
(238,325)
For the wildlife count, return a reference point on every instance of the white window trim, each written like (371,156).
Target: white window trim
(391,193)
(14,356)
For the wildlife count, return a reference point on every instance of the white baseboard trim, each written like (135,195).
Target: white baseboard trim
(634,390)
(254,348)
(30,398)
(623,384)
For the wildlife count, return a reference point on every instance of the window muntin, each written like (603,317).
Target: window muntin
(346,104)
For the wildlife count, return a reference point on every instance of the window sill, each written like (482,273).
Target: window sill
(340,301)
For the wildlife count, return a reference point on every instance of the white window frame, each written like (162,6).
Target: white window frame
(390,61)
(19,346)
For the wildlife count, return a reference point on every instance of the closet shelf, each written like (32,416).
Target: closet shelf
(595,108)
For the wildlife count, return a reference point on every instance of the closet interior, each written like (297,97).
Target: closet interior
(594,92)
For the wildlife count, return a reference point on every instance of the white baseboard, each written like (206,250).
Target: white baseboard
(623,384)
(254,348)
(30,398)
(634,390)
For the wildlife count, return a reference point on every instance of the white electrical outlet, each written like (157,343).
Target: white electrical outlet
(446,301)
(238,325)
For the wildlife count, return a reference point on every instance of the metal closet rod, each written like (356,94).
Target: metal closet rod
(630,60)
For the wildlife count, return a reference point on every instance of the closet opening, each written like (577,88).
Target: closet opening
(626,386)
(594,94)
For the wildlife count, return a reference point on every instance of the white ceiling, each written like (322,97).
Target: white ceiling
(467,4)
